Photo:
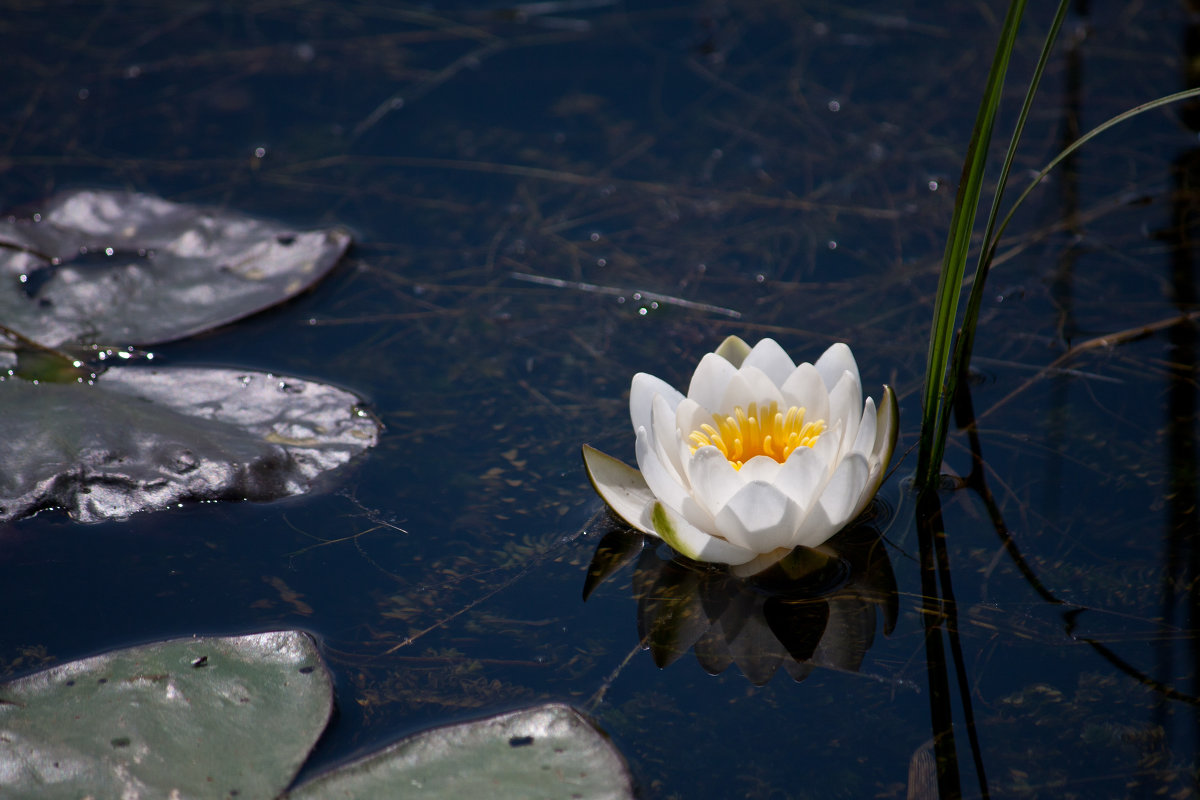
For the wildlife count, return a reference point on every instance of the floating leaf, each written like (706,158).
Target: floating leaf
(142,438)
(197,718)
(131,268)
(548,752)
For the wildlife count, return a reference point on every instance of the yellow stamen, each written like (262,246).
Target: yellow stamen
(747,433)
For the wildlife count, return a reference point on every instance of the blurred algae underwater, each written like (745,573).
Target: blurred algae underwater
(547,198)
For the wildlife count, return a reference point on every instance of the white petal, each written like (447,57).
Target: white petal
(749,385)
(734,350)
(805,473)
(864,442)
(666,436)
(693,542)
(759,517)
(772,359)
(713,479)
(845,400)
(831,439)
(836,360)
(816,527)
(642,392)
(805,388)
(760,468)
(621,487)
(667,488)
(844,489)
(887,426)
(690,415)
(712,375)
(808,485)
(686,456)
(658,477)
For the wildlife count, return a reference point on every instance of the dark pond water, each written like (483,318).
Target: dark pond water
(782,169)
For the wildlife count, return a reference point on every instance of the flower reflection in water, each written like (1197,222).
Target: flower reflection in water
(815,608)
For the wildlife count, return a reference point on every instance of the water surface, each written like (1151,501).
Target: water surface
(782,169)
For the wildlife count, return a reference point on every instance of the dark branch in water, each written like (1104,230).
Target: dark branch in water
(976,481)
(617,292)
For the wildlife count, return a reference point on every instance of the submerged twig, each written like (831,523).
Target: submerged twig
(397,100)
(1095,343)
(598,698)
(655,188)
(1071,611)
(533,561)
(614,291)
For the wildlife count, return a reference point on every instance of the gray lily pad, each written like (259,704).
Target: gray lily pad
(194,718)
(548,752)
(132,268)
(142,438)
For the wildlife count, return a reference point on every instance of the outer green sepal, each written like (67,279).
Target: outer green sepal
(621,487)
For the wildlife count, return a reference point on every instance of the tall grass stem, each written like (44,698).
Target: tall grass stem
(957,365)
(958,244)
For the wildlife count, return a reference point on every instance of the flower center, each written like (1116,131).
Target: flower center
(754,432)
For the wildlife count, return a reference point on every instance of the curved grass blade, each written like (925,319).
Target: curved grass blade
(1124,116)
(962,351)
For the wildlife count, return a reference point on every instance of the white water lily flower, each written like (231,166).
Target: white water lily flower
(762,455)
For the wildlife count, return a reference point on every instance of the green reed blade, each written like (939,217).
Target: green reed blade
(954,259)
(966,339)
(1150,105)
(962,350)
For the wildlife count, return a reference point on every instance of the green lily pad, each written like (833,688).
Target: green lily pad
(543,753)
(237,716)
(131,268)
(143,438)
(194,718)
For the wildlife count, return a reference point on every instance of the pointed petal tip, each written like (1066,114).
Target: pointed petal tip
(643,390)
(770,357)
(840,352)
(836,359)
(887,429)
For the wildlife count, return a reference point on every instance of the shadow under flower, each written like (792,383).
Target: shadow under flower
(814,608)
